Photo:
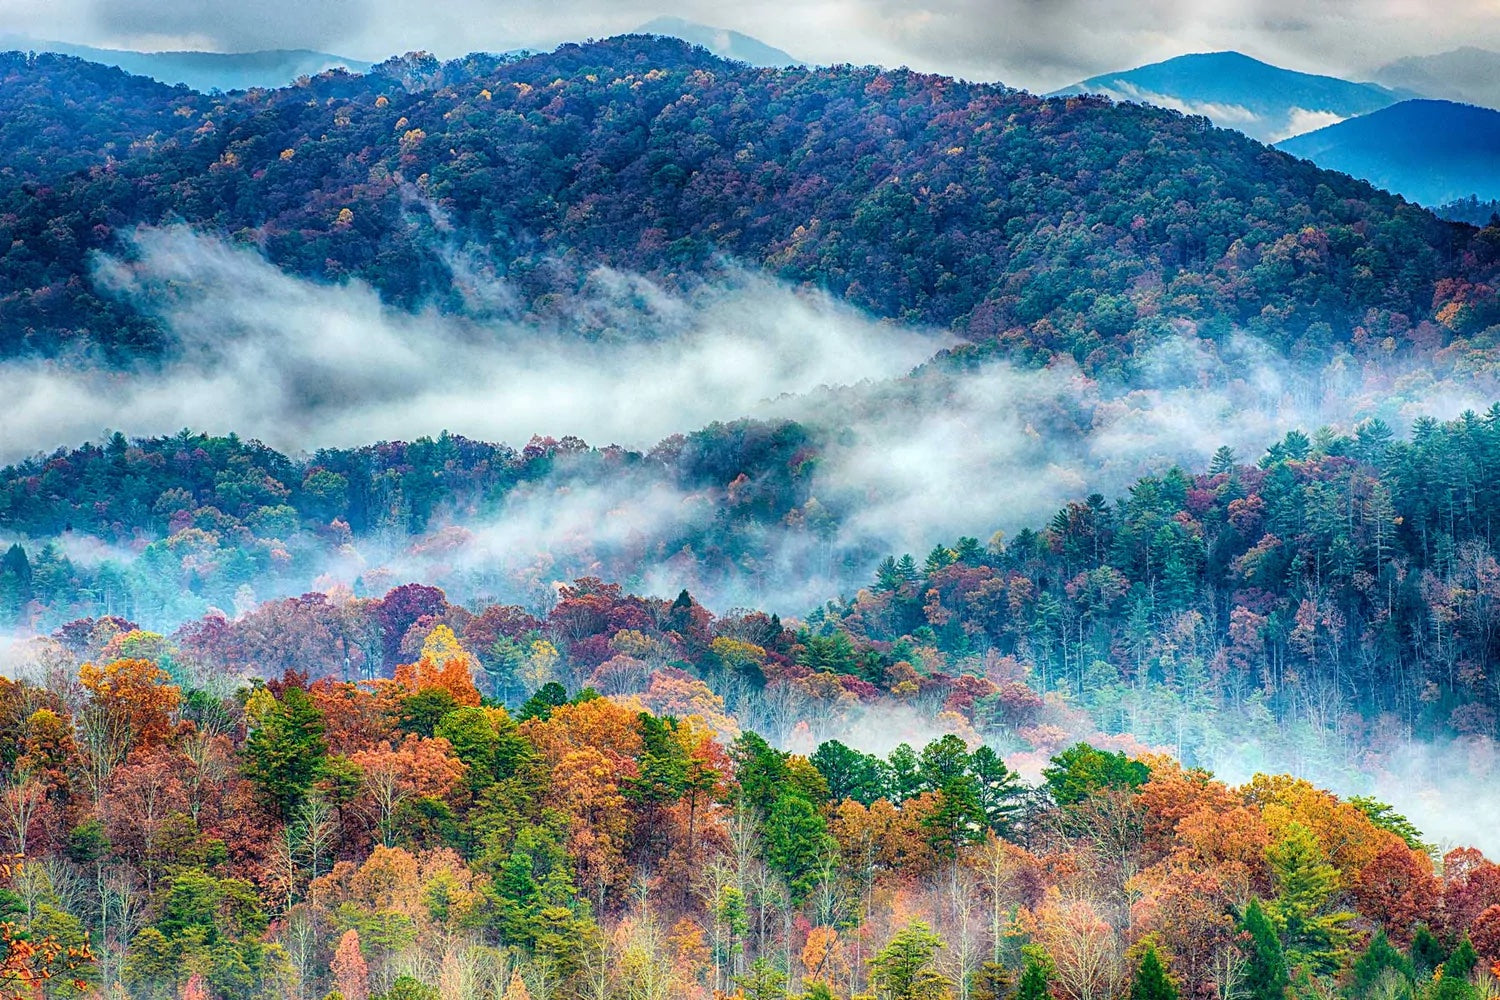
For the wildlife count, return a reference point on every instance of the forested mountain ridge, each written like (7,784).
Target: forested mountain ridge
(1071,225)
(59,115)
(1344,583)
(202,71)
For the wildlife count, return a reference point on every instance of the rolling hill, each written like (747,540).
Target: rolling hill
(202,71)
(1235,91)
(1432,152)
(1035,226)
(59,114)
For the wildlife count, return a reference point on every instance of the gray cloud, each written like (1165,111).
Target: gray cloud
(1039,44)
(232,25)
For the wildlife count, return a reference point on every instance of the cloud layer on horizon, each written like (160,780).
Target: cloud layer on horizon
(1038,44)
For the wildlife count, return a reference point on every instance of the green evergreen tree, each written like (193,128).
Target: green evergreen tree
(850,774)
(887,577)
(1151,980)
(1036,975)
(1427,952)
(959,819)
(1454,982)
(15,583)
(941,556)
(1265,967)
(797,843)
(540,705)
(1313,931)
(941,761)
(1223,462)
(1082,771)
(760,770)
(997,787)
(421,712)
(474,741)
(904,774)
(1379,961)
(906,568)
(286,751)
(763,981)
(662,764)
(903,969)
(408,988)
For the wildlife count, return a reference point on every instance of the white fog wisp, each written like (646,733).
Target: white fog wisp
(301,365)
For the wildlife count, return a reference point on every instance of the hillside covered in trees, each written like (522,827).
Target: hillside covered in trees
(443,719)
(1342,589)
(1065,225)
(410,838)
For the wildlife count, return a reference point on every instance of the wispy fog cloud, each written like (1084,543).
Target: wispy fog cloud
(301,365)
(1302,120)
(998,447)
(1227,115)
(909,460)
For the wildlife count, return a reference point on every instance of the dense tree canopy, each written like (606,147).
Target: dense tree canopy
(1067,225)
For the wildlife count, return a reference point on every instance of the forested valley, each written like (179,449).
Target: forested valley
(1126,628)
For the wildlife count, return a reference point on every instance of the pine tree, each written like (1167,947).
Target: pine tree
(1151,980)
(1454,983)
(940,557)
(1427,953)
(286,752)
(1224,461)
(797,842)
(906,567)
(1379,960)
(763,982)
(1036,975)
(991,981)
(998,787)
(903,969)
(1265,968)
(1312,931)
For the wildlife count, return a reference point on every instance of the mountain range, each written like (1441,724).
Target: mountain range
(201,71)
(1432,152)
(227,71)
(720,41)
(1236,91)
(1082,227)
(1422,131)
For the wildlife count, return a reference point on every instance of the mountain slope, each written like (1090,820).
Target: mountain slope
(202,71)
(1467,75)
(59,114)
(720,41)
(1235,91)
(1432,152)
(1038,225)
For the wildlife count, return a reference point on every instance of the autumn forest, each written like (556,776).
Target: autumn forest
(1114,614)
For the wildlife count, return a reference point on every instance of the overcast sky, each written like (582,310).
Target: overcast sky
(1038,44)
